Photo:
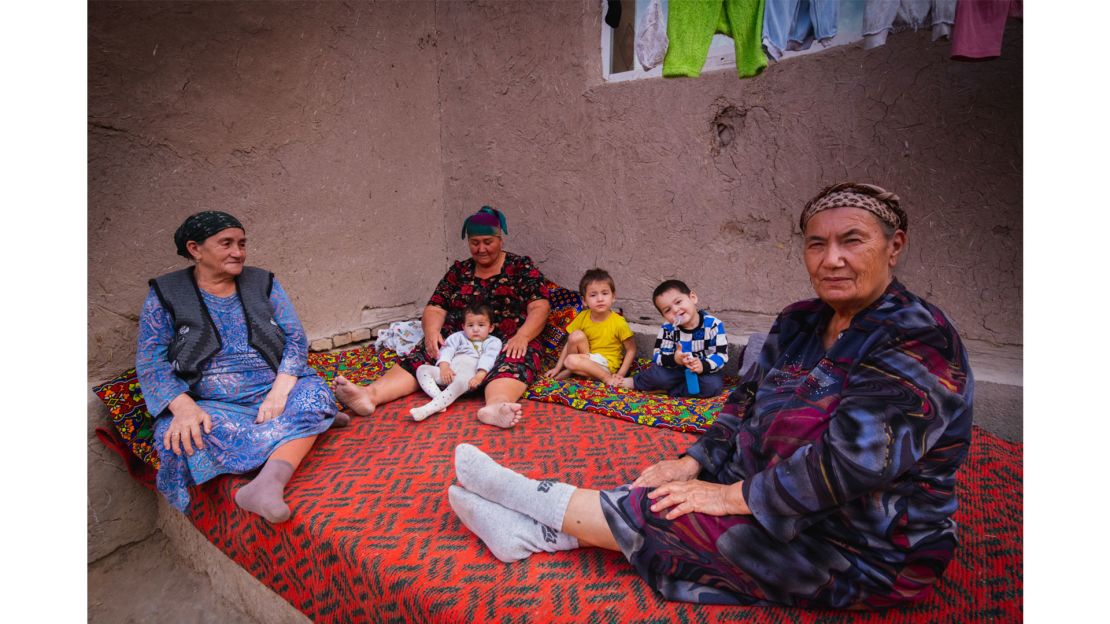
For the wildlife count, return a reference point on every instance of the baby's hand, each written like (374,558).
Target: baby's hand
(476,380)
(551,372)
(446,375)
(615,380)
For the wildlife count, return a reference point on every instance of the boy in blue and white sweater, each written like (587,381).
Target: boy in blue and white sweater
(690,339)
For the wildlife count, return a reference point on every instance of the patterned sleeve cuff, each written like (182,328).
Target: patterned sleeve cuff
(782,528)
(698,452)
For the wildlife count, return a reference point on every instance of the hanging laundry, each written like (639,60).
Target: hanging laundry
(943,16)
(882,17)
(613,15)
(794,24)
(977,33)
(691,25)
(651,43)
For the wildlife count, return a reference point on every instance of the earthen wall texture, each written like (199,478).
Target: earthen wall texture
(703,179)
(316,124)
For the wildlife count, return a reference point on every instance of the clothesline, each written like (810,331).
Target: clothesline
(678,33)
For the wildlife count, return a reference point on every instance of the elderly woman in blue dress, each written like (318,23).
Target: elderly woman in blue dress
(222,363)
(829,476)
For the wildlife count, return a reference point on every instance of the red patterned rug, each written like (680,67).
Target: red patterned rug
(132,432)
(373,538)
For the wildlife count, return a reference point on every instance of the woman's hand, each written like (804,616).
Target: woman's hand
(446,373)
(683,497)
(432,343)
(272,406)
(668,470)
(185,431)
(274,403)
(516,346)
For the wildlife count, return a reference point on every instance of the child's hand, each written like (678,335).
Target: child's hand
(551,372)
(694,364)
(615,380)
(446,375)
(476,380)
(679,356)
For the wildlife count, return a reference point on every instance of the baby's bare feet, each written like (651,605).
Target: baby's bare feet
(502,415)
(353,396)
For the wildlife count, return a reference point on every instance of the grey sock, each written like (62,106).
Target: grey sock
(341,420)
(546,500)
(265,494)
(509,535)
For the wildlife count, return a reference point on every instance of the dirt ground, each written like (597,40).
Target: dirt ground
(148,582)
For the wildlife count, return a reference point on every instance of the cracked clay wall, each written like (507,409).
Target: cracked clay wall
(703,178)
(317,124)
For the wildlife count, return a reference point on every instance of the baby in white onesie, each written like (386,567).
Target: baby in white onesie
(464,361)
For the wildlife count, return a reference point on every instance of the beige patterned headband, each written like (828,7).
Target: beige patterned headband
(876,200)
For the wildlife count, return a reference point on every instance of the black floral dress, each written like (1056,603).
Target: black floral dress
(507,294)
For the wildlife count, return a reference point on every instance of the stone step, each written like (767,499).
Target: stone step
(997,370)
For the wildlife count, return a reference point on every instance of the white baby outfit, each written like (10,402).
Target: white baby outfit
(466,358)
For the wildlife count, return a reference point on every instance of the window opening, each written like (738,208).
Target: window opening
(618,53)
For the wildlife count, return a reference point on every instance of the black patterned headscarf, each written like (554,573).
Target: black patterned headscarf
(200,226)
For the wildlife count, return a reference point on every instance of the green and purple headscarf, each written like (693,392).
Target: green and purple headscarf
(488,221)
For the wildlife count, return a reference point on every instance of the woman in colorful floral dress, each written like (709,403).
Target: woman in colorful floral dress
(512,287)
(829,477)
(222,363)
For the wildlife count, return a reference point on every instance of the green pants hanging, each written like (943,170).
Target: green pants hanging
(691,25)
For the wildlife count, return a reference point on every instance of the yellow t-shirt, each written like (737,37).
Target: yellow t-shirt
(605,337)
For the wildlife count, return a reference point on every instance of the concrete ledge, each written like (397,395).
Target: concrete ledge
(120,511)
(227,578)
(997,369)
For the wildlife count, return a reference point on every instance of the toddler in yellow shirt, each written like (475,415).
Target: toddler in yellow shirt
(597,335)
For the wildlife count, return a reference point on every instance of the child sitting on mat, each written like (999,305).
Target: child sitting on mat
(595,337)
(464,361)
(691,349)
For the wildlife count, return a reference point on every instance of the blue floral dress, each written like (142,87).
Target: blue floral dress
(234,383)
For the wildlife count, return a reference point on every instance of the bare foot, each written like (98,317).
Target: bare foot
(502,415)
(353,396)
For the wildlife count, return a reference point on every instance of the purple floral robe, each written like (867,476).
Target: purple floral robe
(848,458)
